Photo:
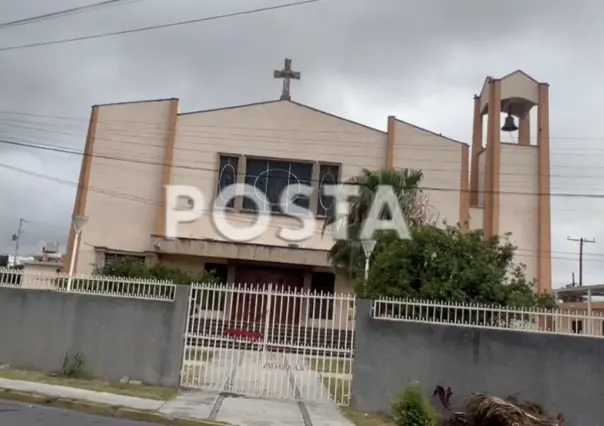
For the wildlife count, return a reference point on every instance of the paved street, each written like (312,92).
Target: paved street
(13,414)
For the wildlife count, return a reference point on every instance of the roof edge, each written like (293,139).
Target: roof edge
(135,102)
(431,132)
(288,101)
(228,107)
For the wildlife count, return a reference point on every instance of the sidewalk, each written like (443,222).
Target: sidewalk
(190,408)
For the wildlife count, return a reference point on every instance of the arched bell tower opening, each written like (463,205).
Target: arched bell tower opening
(513,96)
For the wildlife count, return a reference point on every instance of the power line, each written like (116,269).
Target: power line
(157,27)
(129,197)
(214,170)
(85,121)
(146,144)
(133,198)
(278,141)
(60,13)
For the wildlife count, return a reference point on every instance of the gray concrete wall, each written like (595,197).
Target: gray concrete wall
(565,374)
(141,339)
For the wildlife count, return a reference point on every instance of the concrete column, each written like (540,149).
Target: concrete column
(493,161)
(390,138)
(544,270)
(464,194)
(170,371)
(476,148)
(524,129)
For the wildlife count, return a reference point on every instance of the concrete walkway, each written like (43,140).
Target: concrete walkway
(224,407)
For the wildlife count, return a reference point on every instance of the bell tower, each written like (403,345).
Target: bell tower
(514,95)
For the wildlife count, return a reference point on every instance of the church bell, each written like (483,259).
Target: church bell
(509,124)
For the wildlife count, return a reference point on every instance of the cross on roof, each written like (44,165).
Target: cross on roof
(287,74)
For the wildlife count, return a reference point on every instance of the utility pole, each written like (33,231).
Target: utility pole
(582,241)
(16,238)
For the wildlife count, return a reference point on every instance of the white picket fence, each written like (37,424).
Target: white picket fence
(88,284)
(271,341)
(559,321)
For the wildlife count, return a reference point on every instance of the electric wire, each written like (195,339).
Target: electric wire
(65,150)
(230,137)
(226,137)
(139,199)
(158,27)
(148,201)
(161,126)
(62,13)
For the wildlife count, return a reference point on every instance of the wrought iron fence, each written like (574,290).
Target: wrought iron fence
(88,284)
(579,322)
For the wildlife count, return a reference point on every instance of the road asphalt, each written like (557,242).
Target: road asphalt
(17,414)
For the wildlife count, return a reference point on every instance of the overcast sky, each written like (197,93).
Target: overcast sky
(362,59)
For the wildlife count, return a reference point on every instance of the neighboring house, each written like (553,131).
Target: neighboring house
(582,309)
(134,149)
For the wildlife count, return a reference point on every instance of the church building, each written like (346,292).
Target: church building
(134,149)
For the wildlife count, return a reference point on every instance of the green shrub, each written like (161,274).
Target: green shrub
(130,268)
(412,408)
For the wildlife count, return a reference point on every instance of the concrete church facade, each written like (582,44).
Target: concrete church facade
(134,149)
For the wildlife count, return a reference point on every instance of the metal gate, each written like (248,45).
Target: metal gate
(268,341)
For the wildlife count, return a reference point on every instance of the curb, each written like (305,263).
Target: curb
(104,410)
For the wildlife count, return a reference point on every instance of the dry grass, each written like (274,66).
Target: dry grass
(336,366)
(340,389)
(141,391)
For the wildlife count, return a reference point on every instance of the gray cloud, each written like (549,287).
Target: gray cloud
(365,60)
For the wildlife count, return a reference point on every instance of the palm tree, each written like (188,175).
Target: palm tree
(345,254)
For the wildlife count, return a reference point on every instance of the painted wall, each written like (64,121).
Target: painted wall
(125,178)
(482,158)
(124,190)
(519,204)
(141,339)
(476,216)
(543,368)
(440,160)
(281,130)
(514,85)
(35,275)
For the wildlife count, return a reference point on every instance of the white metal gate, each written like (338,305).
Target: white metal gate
(268,341)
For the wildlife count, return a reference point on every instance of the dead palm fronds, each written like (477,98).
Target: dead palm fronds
(486,410)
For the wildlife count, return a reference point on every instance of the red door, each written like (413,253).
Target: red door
(250,307)
(249,304)
(285,302)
